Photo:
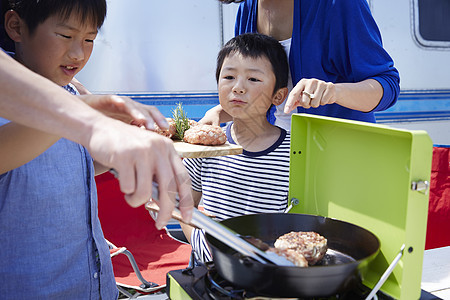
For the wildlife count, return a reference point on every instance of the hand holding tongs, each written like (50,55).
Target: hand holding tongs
(225,235)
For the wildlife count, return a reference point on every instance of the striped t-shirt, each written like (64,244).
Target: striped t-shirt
(235,185)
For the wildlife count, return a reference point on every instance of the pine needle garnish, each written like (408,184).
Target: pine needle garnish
(181,121)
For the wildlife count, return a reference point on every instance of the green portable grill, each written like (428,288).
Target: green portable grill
(370,175)
(373,176)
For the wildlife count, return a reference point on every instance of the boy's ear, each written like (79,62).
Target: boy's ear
(14,25)
(279,96)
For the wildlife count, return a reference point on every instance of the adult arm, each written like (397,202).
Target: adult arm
(32,100)
(139,156)
(363,73)
(20,144)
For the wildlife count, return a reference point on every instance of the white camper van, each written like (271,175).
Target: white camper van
(164,52)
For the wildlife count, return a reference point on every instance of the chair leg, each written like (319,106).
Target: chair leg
(124,292)
(145,283)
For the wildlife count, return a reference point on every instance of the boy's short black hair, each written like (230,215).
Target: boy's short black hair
(35,12)
(257,45)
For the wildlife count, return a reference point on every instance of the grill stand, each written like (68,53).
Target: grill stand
(386,274)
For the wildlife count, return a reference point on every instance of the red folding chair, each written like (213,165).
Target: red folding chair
(438,234)
(148,253)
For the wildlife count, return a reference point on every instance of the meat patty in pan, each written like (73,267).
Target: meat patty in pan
(292,255)
(310,244)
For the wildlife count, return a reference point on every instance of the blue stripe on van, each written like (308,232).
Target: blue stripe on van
(411,106)
(422,105)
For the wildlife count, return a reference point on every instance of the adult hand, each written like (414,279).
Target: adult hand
(127,110)
(311,93)
(141,157)
(362,96)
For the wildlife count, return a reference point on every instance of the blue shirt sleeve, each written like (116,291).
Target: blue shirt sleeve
(355,49)
(246,17)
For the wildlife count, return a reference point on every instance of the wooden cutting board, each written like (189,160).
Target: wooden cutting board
(187,150)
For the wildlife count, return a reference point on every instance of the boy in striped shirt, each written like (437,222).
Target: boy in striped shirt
(252,75)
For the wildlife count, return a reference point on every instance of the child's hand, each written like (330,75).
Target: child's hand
(80,87)
(127,110)
(215,116)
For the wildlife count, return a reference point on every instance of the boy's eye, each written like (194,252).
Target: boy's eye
(89,41)
(65,36)
(229,77)
(254,79)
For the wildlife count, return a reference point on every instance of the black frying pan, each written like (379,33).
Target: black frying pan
(350,249)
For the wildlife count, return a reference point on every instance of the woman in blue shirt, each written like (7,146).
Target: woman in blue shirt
(338,65)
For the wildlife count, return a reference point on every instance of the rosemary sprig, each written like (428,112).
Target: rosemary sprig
(181,121)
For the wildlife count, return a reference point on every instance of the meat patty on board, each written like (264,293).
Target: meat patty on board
(208,135)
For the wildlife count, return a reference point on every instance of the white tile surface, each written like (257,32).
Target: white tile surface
(436,272)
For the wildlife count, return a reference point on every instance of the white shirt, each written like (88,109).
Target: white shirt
(283,120)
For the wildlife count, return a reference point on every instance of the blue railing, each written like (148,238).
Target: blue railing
(195,104)
(430,105)
(411,106)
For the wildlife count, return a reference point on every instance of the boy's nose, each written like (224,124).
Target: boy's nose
(76,52)
(239,88)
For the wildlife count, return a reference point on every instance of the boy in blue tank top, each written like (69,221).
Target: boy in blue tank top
(53,245)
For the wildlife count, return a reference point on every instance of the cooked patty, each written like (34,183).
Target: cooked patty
(208,135)
(293,256)
(310,244)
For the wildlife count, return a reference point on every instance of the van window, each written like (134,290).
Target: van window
(432,22)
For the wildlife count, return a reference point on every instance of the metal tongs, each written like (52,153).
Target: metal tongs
(226,235)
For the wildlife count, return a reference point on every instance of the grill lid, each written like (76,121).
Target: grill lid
(370,175)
